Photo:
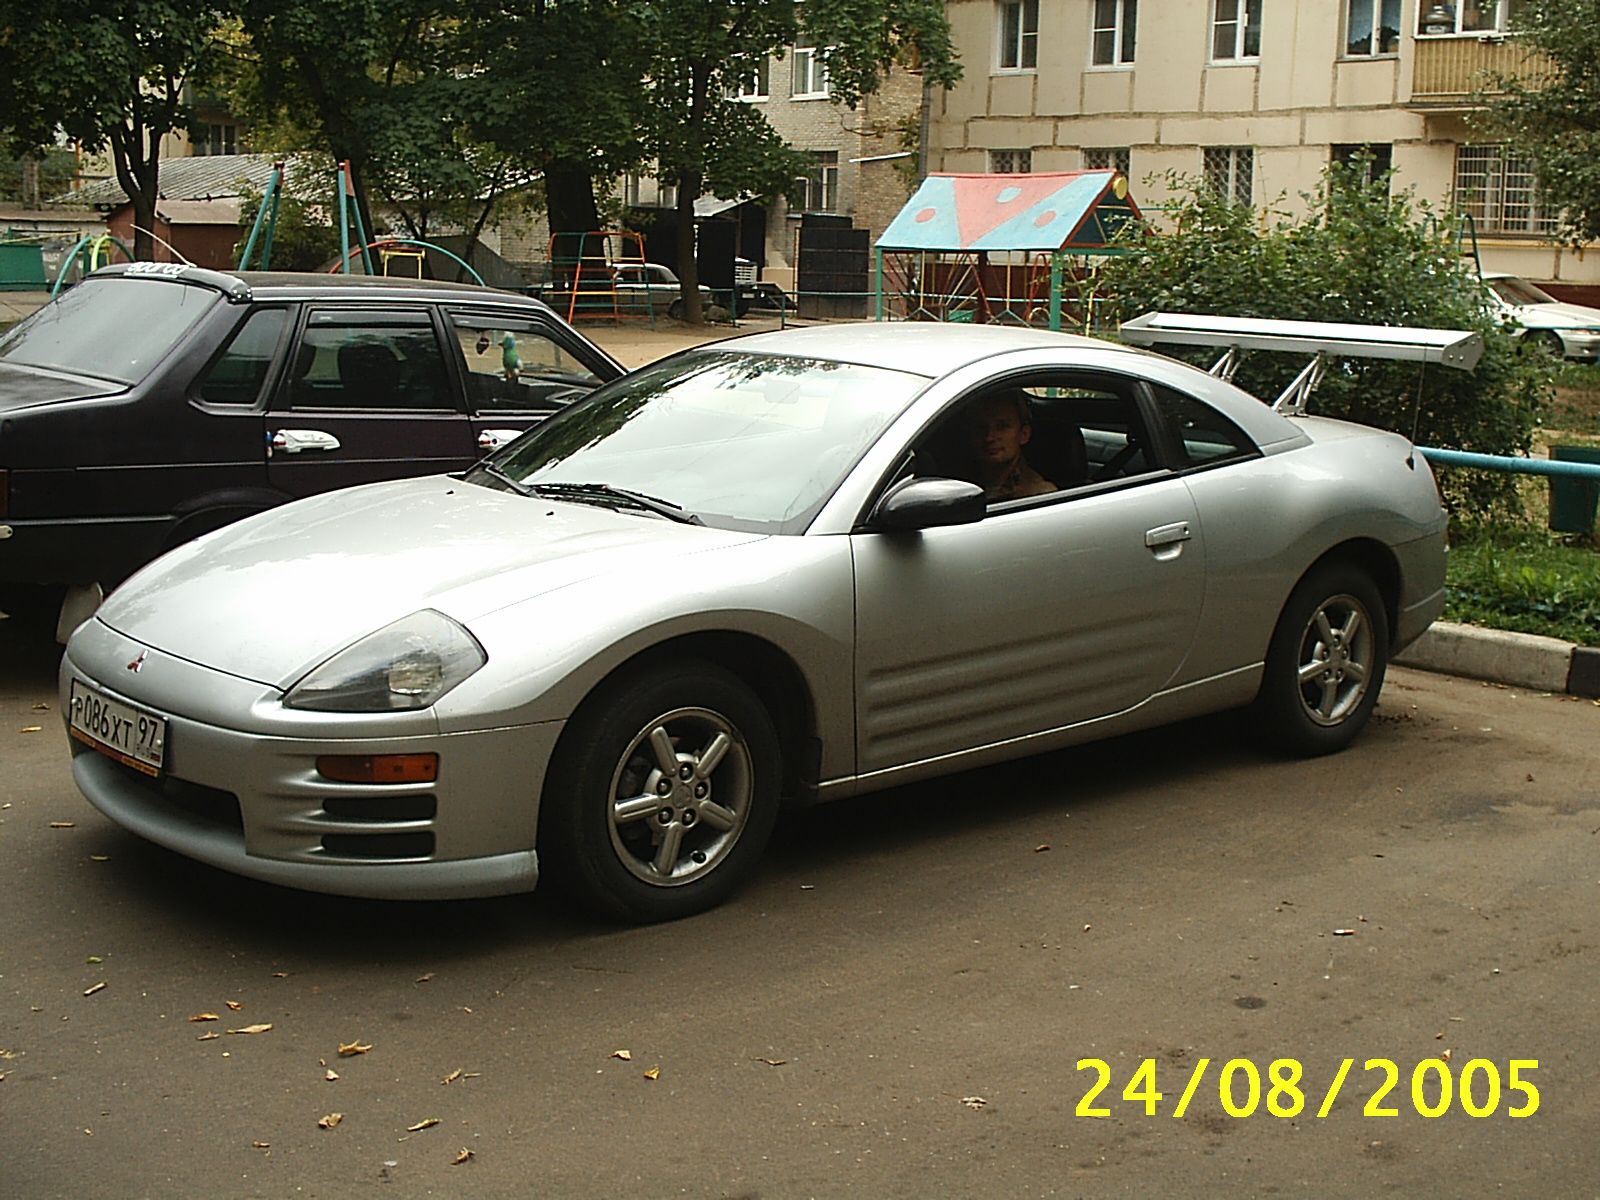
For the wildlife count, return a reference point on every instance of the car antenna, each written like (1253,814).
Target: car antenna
(164,242)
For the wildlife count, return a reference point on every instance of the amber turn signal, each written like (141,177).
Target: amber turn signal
(379,768)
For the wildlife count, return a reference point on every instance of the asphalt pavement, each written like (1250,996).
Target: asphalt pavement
(896,1007)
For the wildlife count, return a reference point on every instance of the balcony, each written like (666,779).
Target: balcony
(1452,72)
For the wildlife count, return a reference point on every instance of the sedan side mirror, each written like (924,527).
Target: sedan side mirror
(925,503)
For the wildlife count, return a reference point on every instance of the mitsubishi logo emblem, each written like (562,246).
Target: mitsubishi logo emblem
(138,662)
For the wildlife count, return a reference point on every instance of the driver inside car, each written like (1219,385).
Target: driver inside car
(1000,428)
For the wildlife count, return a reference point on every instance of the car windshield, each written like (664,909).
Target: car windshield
(112,328)
(739,440)
(1519,291)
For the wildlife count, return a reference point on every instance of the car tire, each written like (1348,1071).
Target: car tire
(1326,662)
(693,834)
(1549,344)
(675,310)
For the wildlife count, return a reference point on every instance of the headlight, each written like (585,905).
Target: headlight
(409,664)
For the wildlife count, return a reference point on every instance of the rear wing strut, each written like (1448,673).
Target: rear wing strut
(1456,348)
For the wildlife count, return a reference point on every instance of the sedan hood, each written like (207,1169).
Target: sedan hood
(1558,316)
(271,597)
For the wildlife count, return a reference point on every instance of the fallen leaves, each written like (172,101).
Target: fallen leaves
(208,1037)
(205,1017)
(1344,933)
(974,1102)
(461,1156)
(773,1062)
(261,1145)
(453,1076)
(425,1123)
(233,1005)
(624,1055)
(253,1029)
(1041,847)
(653,1073)
(349,1049)
(330,1075)
(92,990)
(31,729)
(63,824)
(423,978)
(329,1121)
(99,858)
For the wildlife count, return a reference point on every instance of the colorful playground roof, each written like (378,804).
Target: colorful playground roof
(1067,210)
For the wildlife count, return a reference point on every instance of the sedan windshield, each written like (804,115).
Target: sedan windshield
(113,328)
(1519,291)
(738,440)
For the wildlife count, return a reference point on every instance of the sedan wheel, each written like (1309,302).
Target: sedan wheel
(663,793)
(1326,663)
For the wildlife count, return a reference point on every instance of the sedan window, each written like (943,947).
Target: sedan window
(238,373)
(364,362)
(1203,434)
(513,365)
(114,328)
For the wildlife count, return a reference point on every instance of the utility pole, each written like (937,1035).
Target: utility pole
(30,184)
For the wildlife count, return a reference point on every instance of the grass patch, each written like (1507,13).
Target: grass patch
(1523,579)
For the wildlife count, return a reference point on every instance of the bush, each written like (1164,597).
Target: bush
(1524,579)
(1358,254)
(304,240)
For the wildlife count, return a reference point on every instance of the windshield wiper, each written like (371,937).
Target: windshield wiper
(516,486)
(604,492)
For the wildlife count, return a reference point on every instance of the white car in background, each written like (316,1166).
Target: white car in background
(1563,330)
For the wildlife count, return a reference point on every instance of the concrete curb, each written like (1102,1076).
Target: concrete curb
(1525,660)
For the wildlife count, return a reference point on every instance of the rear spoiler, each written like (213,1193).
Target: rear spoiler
(1457,348)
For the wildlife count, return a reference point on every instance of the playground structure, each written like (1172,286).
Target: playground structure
(411,253)
(1000,248)
(584,270)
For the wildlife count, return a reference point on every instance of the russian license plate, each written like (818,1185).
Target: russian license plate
(130,735)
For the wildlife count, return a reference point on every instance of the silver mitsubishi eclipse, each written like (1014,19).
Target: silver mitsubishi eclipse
(784,569)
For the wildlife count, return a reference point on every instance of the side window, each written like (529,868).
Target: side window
(513,365)
(369,361)
(1037,436)
(238,373)
(1203,435)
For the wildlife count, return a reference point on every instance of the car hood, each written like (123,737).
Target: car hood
(24,386)
(1558,316)
(273,596)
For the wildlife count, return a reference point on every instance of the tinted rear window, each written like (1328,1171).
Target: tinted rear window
(116,328)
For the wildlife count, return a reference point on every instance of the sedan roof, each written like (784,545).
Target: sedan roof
(920,348)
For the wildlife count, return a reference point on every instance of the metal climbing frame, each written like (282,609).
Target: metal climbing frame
(583,276)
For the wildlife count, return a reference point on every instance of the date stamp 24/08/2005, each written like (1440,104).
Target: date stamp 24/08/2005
(1244,1089)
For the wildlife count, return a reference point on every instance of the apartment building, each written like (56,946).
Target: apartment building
(1255,97)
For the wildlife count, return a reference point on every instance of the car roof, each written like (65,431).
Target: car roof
(241,286)
(930,349)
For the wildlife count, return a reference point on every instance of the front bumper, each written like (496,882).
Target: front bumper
(1580,343)
(252,802)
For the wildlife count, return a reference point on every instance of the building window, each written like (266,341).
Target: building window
(757,84)
(215,139)
(1111,39)
(1228,171)
(1236,30)
(1019,35)
(1464,17)
(1376,159)
(1105,158)
(1372,27)
(1497,189)
(810,80)
(1010,162)
(818,189)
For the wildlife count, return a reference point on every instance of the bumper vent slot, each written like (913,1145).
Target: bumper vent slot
(381,808)
(212,805)
(378,845)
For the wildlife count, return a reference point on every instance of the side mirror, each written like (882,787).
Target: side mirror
(925,503)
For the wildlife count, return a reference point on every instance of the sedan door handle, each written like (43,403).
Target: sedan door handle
(1166,535)
(297,441)
(493,439)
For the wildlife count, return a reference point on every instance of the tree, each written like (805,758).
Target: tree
(37,176)
(108,73)
(1554,118)
(698,53)
(1360,254)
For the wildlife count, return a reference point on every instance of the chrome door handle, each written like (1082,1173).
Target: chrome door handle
(297,441)
(1166,535)
(493,439)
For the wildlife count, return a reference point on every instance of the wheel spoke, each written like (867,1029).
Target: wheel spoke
(1312,670)
(667,853)
(1352,626)
(715,749)
(1355,671)
(1330,697)
(636,808)
(718,817)
(666,754)
(1324,628)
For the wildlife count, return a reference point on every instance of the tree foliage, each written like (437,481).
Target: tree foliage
(1555,120)
(111,73)
(1356,254)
